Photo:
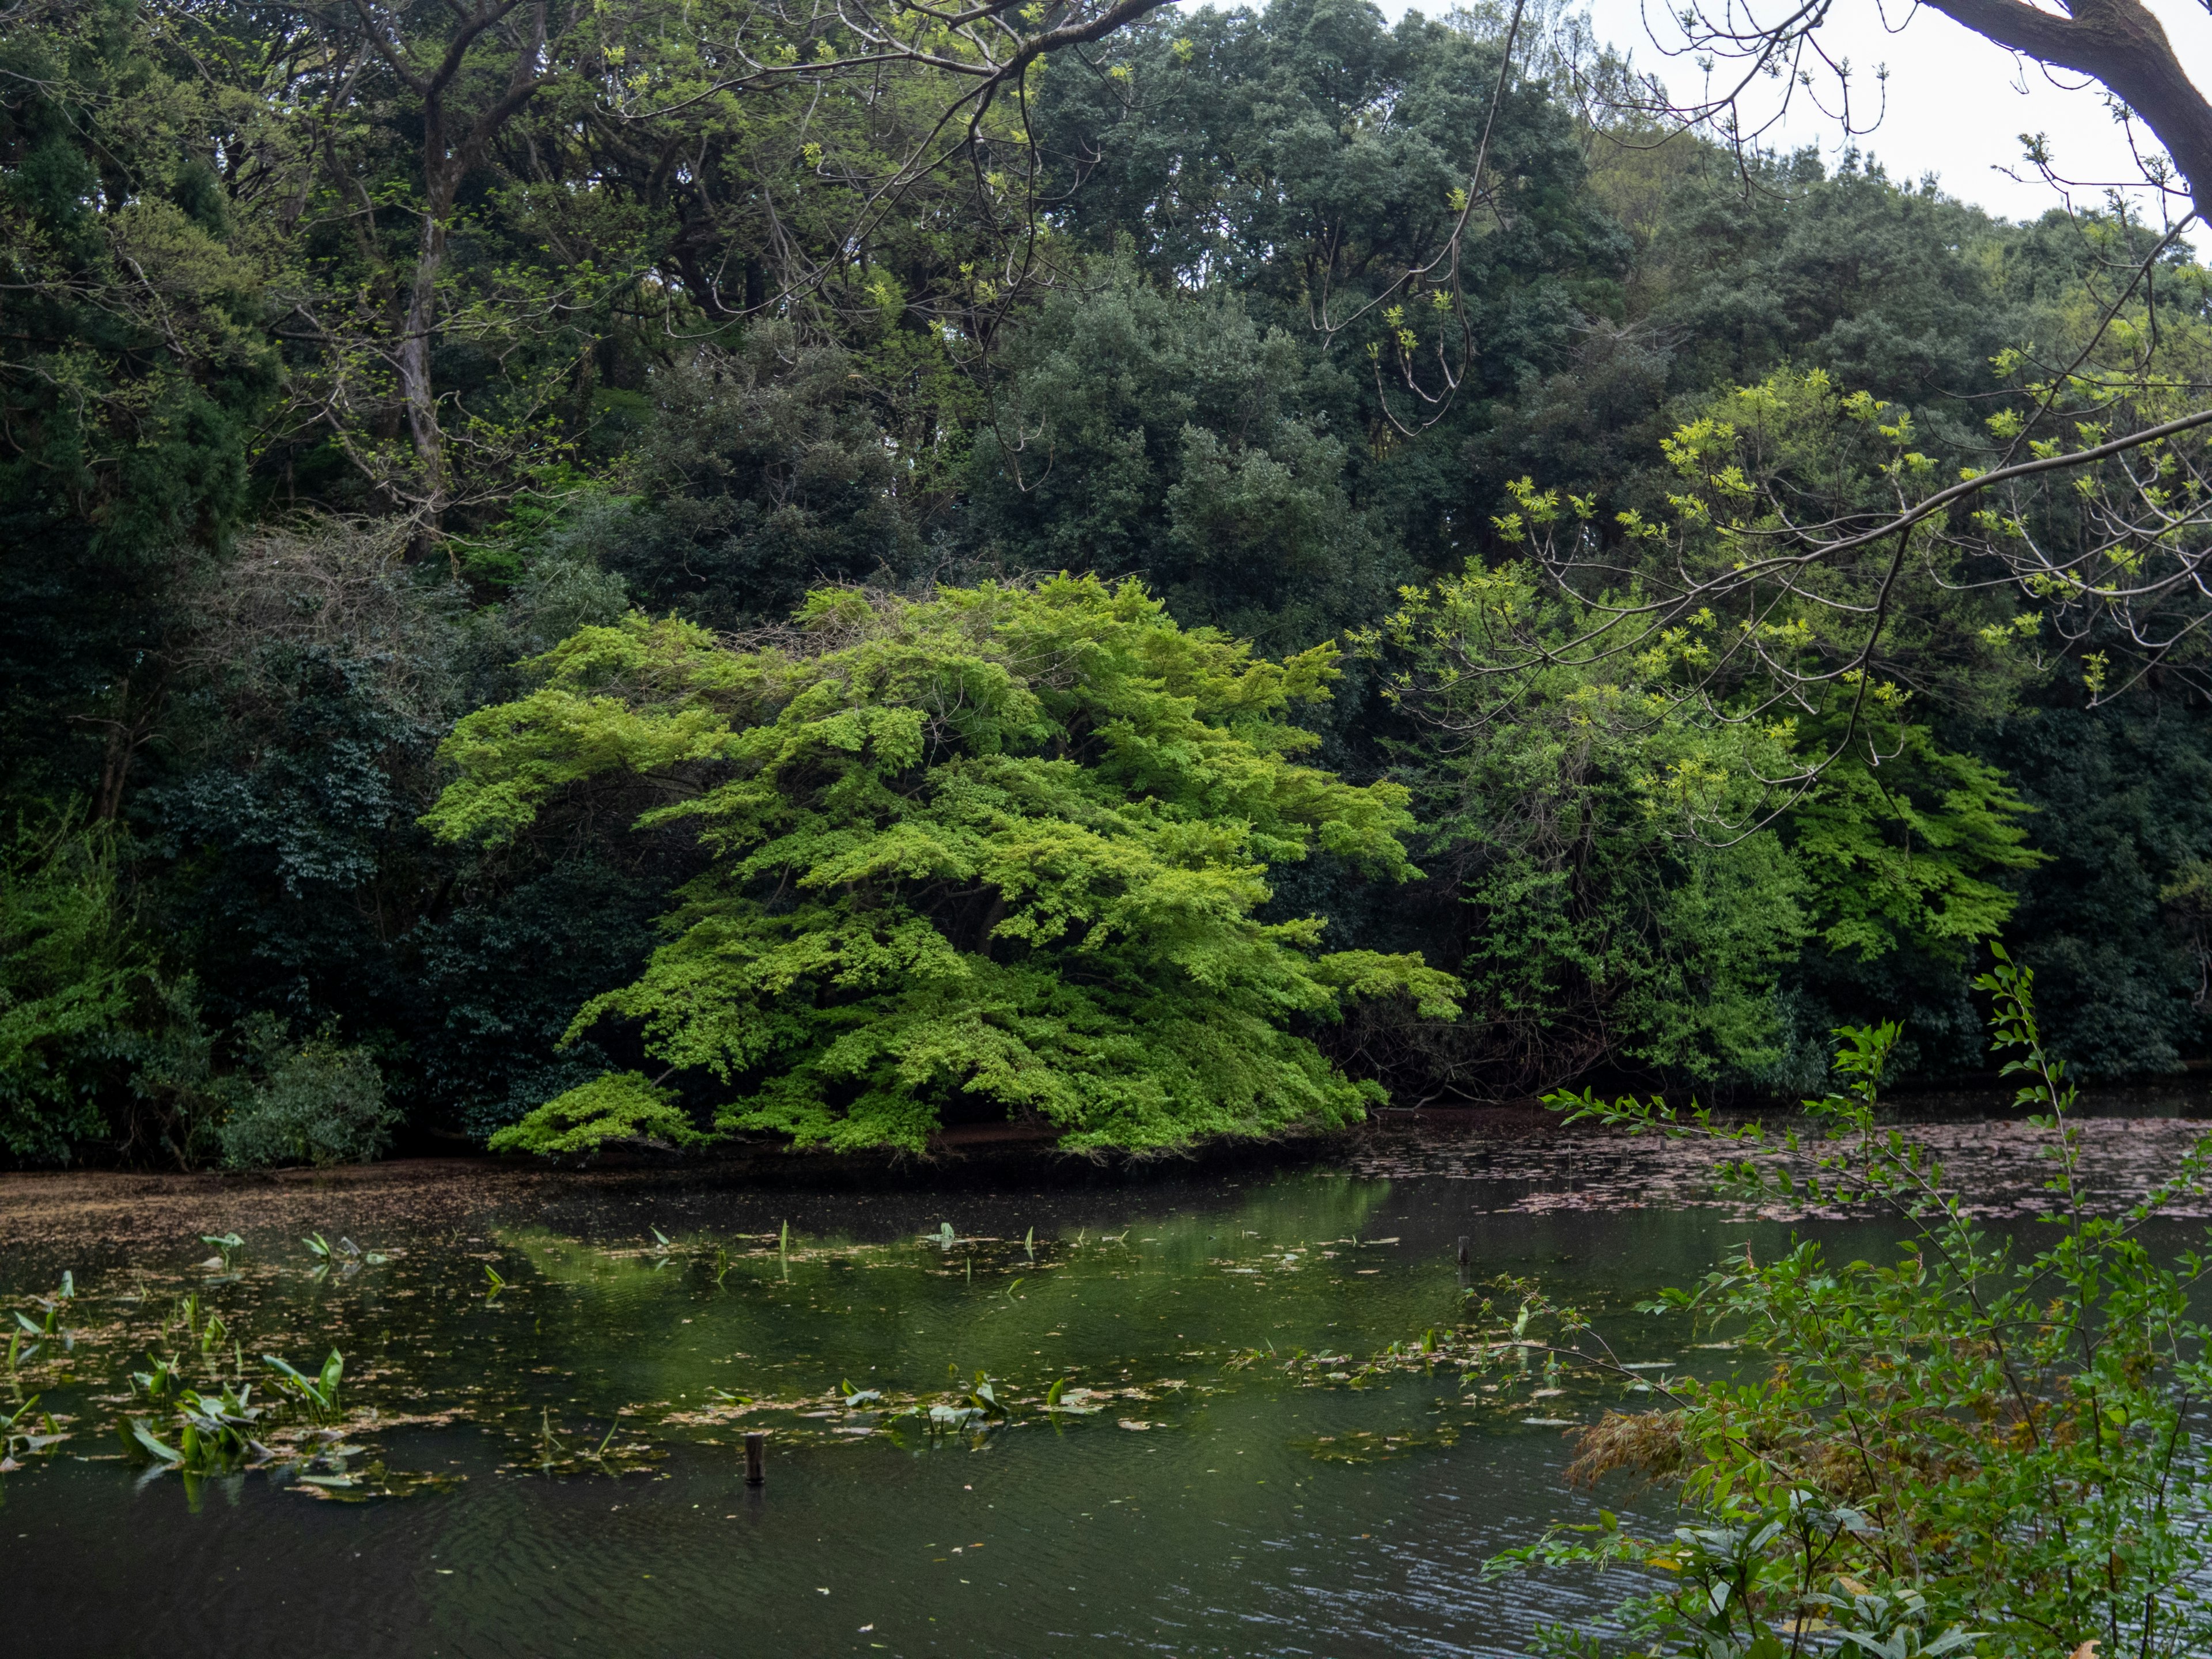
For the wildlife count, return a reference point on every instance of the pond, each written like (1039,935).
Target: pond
(548,1379)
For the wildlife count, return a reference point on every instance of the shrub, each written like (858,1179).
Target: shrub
(318,1103)
(1971,1447)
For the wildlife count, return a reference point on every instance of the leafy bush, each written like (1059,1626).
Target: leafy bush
(617,1106)
(317,1104)
(1971,1447)
(66,962)
(1002,848)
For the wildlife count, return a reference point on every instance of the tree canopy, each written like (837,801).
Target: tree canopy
(1737,582)
(1006,845)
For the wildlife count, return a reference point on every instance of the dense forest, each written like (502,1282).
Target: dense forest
(561,580)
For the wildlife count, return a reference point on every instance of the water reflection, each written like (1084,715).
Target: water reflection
(1193,1508)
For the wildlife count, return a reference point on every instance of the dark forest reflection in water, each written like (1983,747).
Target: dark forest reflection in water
(1203,1497)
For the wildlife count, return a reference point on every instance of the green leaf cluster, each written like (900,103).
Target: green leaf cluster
(1976,1445)
(1639,868)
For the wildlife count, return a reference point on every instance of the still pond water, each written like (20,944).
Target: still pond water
(1185,1499)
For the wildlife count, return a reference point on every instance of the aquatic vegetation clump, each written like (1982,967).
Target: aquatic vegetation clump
(316,1397)
(1975,1446)
(213,1433)
(23,1435)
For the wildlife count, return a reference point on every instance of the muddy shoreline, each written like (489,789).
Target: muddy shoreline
(1532,1161)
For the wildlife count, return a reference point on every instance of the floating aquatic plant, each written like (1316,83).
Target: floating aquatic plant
(558,1456)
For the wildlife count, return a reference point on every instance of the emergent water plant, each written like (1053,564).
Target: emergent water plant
(213,1433)
(1977,1446)
(316,1396)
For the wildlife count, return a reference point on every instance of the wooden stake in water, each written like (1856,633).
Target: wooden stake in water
(756,1458)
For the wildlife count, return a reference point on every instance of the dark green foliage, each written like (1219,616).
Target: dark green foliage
(2115,924)
(69,968)
(1877,285)
(1167,436)
(759,472)
(496,981)
(1302,157)
(293,835)
(127,401)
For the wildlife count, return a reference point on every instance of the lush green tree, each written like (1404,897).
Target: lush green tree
(1160,434)
(1305,158)
(754,474)
(137,366)
(998,852)
(1595,861)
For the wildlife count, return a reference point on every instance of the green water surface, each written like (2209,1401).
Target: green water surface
(1236,1482)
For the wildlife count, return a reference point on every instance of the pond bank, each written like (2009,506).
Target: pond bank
(1525,1155)
(127,1207)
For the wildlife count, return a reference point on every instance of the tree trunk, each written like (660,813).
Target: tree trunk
(416,388)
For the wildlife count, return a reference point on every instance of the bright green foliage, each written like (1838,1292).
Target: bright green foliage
(1638,861)
(614,1106)
(1896,853)
(1977,1447)
(1615,899)
(1003,847)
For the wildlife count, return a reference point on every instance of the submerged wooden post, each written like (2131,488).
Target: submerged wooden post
(756,1458)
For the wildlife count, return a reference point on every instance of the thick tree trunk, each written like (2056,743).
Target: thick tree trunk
(2122,43)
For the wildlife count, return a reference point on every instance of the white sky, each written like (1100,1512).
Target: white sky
(1954,105)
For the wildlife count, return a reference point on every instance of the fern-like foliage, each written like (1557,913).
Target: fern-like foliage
(1009,843)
